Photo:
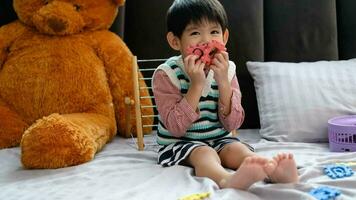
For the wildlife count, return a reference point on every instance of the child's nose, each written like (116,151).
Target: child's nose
(205,39)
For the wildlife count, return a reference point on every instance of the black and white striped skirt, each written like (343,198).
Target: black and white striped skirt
(176,153)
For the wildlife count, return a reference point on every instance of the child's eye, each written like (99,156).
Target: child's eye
(215,32)
(194,33)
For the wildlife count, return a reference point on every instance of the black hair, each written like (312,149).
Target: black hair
(183,12)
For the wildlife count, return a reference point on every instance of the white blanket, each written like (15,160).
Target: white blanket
(119,171)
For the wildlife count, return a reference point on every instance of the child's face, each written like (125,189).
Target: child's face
(200,33)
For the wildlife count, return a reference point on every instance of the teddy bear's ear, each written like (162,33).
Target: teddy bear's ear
(119,2)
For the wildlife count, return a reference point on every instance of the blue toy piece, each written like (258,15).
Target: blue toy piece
(338,171)
(324,193)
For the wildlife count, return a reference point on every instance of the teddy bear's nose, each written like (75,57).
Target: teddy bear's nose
(56,25)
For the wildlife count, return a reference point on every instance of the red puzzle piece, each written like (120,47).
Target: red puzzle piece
(206,51)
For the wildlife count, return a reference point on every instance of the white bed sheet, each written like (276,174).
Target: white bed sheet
(119,171)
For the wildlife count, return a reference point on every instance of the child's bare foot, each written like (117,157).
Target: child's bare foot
(286,170)
(251,170)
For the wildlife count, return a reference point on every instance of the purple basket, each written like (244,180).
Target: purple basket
(342,133)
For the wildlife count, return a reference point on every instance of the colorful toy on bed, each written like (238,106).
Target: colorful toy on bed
(324,193)
(342,133)
(198,196)
(338,171)
(206,51)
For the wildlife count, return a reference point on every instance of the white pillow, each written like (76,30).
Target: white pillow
(295,100)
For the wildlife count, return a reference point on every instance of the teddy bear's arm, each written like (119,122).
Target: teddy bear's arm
(118,60)
(8,34)
(3,46)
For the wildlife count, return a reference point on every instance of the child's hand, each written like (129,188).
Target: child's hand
(220,66)
(195,70)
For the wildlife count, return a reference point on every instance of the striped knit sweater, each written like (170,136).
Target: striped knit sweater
(208,125)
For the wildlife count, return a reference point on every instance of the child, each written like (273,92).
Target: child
(199,105)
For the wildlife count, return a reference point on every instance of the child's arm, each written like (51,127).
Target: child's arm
(236,113)
(220,67)
(176,113)
(195,71)
(231,113)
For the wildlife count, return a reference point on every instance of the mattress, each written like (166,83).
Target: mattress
(120,171)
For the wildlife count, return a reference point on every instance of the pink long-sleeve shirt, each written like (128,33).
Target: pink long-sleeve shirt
(176,113)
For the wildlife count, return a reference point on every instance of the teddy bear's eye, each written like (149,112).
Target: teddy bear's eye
(46,2)
(77,7)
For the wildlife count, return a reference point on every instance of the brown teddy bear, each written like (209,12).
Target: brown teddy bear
(63,79)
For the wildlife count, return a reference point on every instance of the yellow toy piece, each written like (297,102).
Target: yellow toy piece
(198,196)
